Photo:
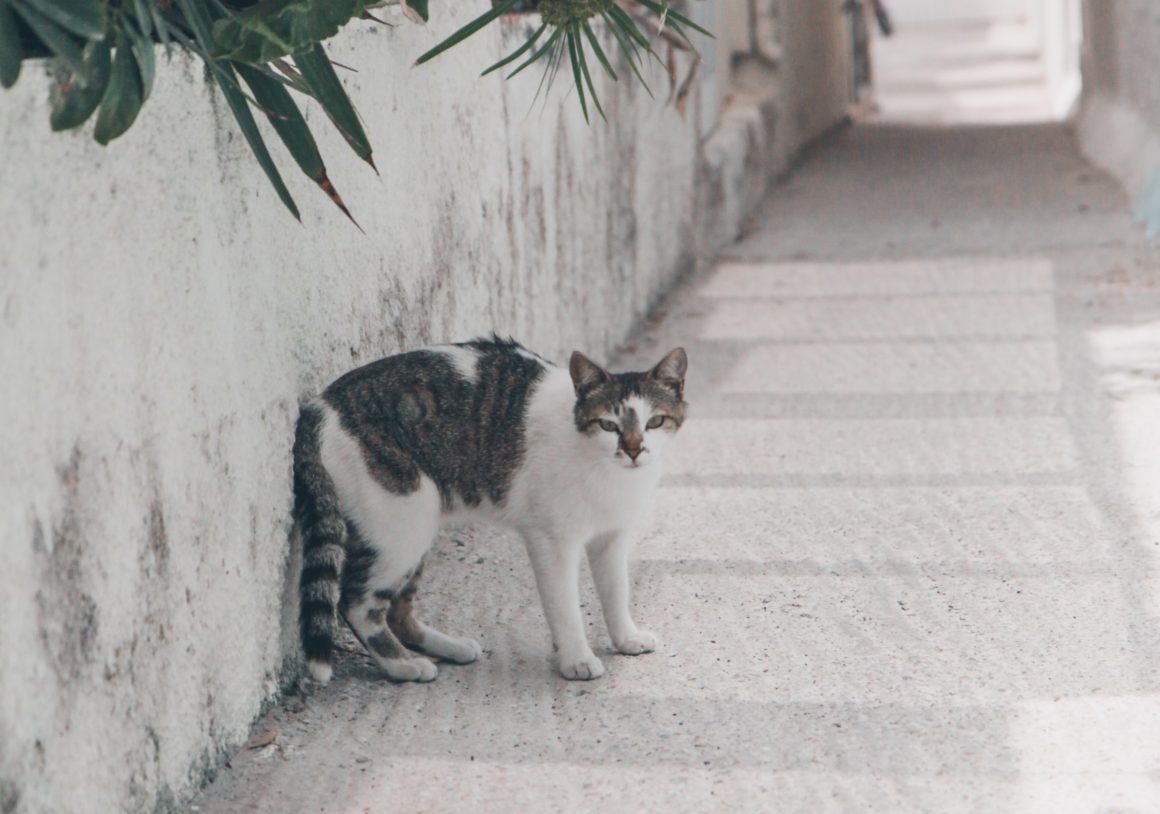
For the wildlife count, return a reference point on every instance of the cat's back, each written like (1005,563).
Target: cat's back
(483,369)
(456,413)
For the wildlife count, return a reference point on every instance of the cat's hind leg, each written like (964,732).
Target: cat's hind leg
(412,632)
(395,531)
(369,620)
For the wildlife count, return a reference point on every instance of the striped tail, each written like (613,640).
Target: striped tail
(319,521)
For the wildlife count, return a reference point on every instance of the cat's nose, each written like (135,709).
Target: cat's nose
(633,452)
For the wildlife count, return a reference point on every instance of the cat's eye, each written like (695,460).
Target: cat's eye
(608,426)
(655,421)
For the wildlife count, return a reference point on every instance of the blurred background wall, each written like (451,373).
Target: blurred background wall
(1119,125)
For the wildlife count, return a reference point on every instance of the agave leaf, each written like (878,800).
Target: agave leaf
(630,52)
(415,9)
(599,51)
(552,40)
(59,41)
(516,54)
(629,26)
(80,94)
(197,16)
(161,26)
(10,49)
(576,71)
(665,11)
(559,51)
(287,120)
(466,31)
(291,76)
(144,17)
(291,127)
(584,70)
(632,31)
(123,95)
(276,28)
(201,24)
(319,76)
(227,81)
(146,57)
(85,18)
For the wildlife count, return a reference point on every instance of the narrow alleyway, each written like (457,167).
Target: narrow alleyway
(905,560)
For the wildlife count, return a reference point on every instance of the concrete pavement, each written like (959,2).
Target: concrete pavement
(906,557)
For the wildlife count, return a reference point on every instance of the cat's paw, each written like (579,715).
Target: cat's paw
(462,651)
(639,642)
(416,668)
(584,668)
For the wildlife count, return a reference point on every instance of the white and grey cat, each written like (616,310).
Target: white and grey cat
(484,430)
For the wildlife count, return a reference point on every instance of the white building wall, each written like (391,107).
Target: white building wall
(1119,121)
(161,316)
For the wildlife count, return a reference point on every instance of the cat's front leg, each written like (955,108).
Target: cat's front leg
(608,558)
(557,569)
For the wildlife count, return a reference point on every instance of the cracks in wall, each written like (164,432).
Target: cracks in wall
(67,614)
(9,796)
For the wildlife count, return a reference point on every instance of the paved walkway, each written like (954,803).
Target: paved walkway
(907,557)
(965,72)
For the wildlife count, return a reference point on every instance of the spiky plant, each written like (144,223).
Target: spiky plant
(255,52)
(567,25)
(258,51)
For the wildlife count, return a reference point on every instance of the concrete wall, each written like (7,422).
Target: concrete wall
(161,315)
(1119,123)
(799,56)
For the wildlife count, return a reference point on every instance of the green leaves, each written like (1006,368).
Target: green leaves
(228,83)
(318,75)
(116,84)
(85,18)
(516,54)
(108,52)
(291,127)
(78,96)
(81,34)
(665,12)
(416,8)
(272,29)
(58,40)
(123,97)
(572,35)
(144,53)
(10,48)
(494,13)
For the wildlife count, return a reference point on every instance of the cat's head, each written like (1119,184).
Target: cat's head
(631,416)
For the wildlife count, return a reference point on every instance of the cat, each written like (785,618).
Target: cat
(486,430)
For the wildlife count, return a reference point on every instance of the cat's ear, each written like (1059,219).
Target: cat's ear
(671,370)
(586,373)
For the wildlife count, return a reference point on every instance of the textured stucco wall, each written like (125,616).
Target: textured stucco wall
(161,315)
(816,71)
(793,65)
